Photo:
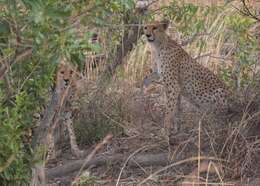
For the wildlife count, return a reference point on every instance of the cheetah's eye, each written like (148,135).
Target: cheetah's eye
(145,27)
(154,28)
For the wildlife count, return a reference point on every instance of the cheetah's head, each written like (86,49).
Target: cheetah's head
(156,31)
(65,73)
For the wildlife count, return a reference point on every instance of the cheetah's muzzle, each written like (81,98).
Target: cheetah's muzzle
(149,37)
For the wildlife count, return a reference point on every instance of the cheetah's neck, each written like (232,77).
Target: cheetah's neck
(157,47)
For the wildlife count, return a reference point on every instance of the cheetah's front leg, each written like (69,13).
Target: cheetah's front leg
(172,115)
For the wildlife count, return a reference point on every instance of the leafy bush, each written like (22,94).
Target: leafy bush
(47,29)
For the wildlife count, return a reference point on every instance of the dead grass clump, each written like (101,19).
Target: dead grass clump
(236,142)
(96,120)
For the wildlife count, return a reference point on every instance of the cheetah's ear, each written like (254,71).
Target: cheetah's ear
(165,23)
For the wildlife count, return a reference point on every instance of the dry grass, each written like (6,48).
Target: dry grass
(229,148)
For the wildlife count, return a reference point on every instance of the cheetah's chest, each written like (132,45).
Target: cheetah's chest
(168,64)
(157,59)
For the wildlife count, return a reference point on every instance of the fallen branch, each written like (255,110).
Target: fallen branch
(160,159)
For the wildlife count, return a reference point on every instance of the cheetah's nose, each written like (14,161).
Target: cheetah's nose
(66,82)
(148,35)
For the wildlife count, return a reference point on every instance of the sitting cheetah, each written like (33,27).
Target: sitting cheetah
(182,76)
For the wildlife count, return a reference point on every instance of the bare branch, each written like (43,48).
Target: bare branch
(246,11)
(192,38)
(19,57)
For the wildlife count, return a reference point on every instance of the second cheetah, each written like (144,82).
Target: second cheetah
(183,76)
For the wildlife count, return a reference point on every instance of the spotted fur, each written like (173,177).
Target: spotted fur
(183,76)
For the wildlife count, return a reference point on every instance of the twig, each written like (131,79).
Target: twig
(202,56)
(246,11)
(211,56)
(91,155)
(121,171)
(192,38)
